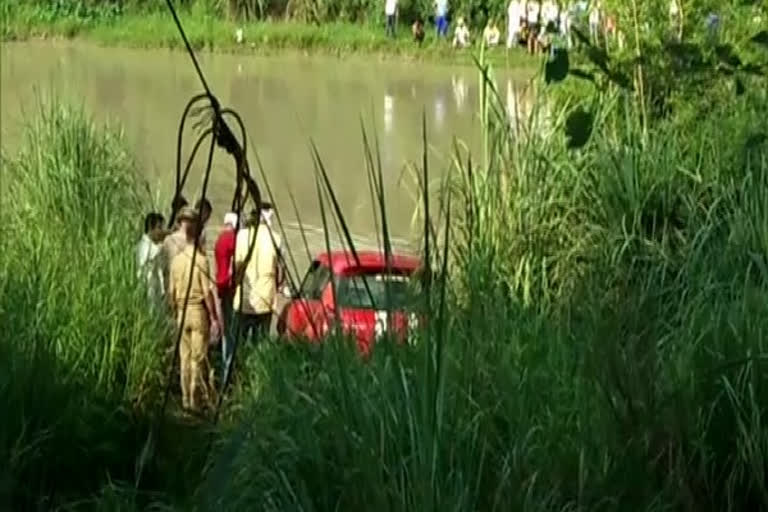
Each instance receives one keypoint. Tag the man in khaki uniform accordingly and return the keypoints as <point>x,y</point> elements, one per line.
<point>201,323</point>
<point>257,279</point>
<point>175,243</point>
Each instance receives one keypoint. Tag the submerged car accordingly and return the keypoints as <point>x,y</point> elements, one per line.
<point>369,296</point>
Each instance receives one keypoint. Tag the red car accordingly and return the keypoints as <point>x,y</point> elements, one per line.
<point>361,297</point>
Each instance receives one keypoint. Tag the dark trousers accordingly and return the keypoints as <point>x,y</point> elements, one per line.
<point>254,327</point>
<point>228,338</point>
<point>391,25</point>
<point>242,328</point>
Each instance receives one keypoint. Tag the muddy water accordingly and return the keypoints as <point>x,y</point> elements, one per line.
<point>286,102</point>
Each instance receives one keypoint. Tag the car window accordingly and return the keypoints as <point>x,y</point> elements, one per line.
<point>315,281</point>
<point>352,293</point>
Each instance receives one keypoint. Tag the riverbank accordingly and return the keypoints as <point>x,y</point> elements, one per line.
<point>596,334</point>
<point>157,30</point>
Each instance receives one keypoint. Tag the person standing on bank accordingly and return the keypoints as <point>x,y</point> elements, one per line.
<point>256,275</point>
<point>148,266</point>
<point>175,243</point>
<point>390,9</point>
<point>198,311</point>
<point>224,252</point>
<point>441,17</point>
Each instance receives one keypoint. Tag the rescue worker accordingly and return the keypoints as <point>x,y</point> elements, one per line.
<point>177,241</point>
<point>257,276</point>
<point>201,324</point>
<point>224,252</point>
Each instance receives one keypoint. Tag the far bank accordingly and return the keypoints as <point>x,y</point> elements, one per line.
<point>208,33</point>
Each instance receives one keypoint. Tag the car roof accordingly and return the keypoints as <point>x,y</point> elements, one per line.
<point>343,262</point>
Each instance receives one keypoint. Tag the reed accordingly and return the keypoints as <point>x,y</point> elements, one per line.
<point>82,354</point>
<point>602,348</point>
<point>596,330</point>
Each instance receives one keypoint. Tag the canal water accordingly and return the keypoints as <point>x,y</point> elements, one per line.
<point>287,103</point>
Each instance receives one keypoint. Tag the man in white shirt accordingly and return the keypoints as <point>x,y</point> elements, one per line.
<point>148,264</point>
<point>257,275</point>
<point>390,9</point>
<point>515,15</point>
<point>549,13</point>
<point>594,20</point>
<point>441,17</point>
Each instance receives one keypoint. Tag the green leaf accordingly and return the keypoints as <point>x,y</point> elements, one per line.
<point>580,73</point>
<point>578,127</point>
<point>761,38</point>
<point>739,86</point>
<point>726,55</point>
<point>755,140</point>
<point>556,68</point>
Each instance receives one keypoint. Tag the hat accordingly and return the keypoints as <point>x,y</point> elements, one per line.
<point>230,219</point>
<point>188,213</point>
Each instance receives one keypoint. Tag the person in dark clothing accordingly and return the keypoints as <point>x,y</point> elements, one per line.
<point>418,31</point>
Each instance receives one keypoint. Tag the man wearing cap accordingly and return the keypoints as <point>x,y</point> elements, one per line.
<point>224,252</point>
<point>191,295</point>
<point>257,275</point>
<point>177,241</point>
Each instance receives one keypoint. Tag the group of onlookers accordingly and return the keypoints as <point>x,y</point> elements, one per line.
<point>531,24</point>
<point>210,306</point>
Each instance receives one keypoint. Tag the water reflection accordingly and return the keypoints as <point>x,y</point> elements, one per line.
<point>284,103</point>
<point>389,114</point>
<point>459,91</point>
<point>439,110</point>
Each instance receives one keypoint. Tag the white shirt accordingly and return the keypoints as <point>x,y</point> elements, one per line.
<point>259,284</point>
<point>148,265</point>
<point>533,12</point>
<point>594,15</point>
<point>442,7</point>
<point>549,12</point>
<point>461,36</point>
<point>515,11</point>
<point>389,7</point>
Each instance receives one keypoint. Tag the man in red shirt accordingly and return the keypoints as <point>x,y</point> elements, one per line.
<point>224,252</point>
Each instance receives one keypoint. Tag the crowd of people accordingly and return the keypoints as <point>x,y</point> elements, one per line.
<point>211,305</point>
<point>531,24</point>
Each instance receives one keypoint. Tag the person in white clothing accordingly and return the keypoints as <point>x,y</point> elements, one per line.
<point>390,9</point>
<point>549,13</point>
<point>441,17</point>
<point>461,35</point>
<point>514,14</point>
<point>534,9</point>
<point>491,34</point>
<point>148,267</point>
<point>594,21</point>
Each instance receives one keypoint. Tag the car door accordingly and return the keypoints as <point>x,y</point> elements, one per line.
<point>304,316</point>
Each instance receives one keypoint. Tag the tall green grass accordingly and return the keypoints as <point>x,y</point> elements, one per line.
<point>596,335</point>
<point>82,351</point>
<point>604,345</point>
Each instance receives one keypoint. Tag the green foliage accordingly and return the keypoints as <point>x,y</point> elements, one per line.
<point>596,336</point>
<point>80,362</point>
<point>604,348</point>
